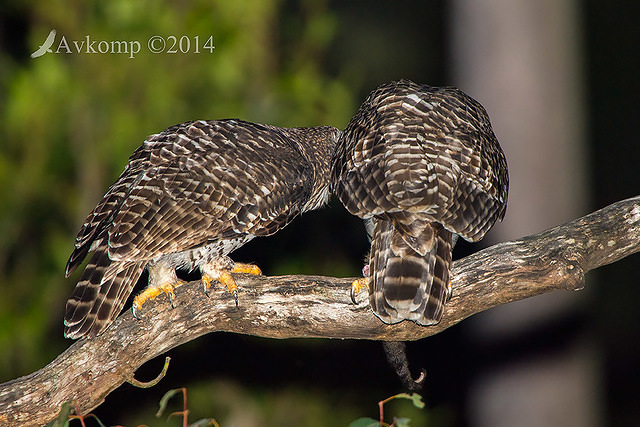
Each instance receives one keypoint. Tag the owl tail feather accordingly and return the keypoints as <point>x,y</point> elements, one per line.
<point>405,284</point>
<point>100,294</point>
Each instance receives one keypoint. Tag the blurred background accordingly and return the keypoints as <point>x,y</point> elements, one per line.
<point>559,79</point>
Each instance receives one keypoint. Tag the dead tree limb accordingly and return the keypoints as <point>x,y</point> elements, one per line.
<point>313,306</point>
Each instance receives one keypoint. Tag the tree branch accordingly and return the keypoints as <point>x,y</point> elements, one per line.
<point>314,306</point>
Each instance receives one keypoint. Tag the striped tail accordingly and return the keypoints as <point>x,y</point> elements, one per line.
<point>100,294</point>
<point>410,273</point>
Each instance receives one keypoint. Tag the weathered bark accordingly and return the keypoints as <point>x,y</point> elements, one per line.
<point>314,306</point>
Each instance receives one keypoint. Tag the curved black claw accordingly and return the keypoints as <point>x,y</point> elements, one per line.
<point>235,297</point>
<point>418,383</point>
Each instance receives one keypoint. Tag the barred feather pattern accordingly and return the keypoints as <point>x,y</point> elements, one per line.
<point>423,164</point>
<point>190,195</point>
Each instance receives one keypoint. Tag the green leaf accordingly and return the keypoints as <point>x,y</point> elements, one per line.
<point>417,400</point>
<point>402,422</point>
<point>165,400</point>
<point>63,416</point>
<point>365,422</point>
<point>402,396</point>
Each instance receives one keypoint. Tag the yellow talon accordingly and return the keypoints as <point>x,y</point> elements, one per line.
<point>246,268</point>
<point>358,285</point>
<point>449,291</point>
<point>206,280</point>
<point>153,292</point>
<point>226,280</point>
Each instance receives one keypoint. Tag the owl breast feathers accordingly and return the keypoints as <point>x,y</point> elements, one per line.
<point>422,164</point>
<point>189,196</point>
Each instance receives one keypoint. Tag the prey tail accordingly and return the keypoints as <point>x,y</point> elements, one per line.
<point>396,352</point>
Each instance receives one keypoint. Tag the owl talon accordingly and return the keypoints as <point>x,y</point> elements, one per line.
<point>357,285</point>
<point>206,282</point>
<point>214,273</point>
<point>152,293</point>
<point>226,280</point>
<point>240,267</point>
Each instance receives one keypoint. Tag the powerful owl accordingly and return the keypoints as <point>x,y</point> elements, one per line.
<point>421,165</point>
<point>189,196</point>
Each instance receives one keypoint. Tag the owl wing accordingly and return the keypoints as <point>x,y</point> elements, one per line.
<point>192,184</point>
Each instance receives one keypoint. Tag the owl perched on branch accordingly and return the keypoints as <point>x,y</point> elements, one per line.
<point>422,165</point>
<point>188,197</point>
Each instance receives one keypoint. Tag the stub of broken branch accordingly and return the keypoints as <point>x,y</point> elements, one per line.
<point>314,306</point>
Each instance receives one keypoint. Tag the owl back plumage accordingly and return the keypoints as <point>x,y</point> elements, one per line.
<point>423,164</point>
